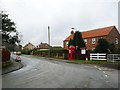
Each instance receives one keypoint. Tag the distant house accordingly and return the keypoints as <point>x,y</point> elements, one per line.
<point>43,46</point>
<point>29,46</point>
<point>91,37</point>
<point>57,48</point>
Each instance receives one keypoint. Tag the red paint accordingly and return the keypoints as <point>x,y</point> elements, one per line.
<point>72,52</point>
<point>5,55</point>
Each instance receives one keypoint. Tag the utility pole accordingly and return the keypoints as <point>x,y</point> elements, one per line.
<point>20,37</point>
<point>49,40</point>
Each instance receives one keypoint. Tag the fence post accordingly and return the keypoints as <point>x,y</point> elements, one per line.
<point>113,58</point>
<point>91,57</point>
<point>97,56</point>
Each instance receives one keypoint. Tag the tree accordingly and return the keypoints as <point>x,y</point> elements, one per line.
<point>78,40</point>
<point>10,36</point>
<point>105,47</point>
<point>102,46</point>
<point>70,42</point>
<point>112,48</point>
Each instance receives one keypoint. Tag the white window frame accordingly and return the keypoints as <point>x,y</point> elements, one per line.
<point>66,43</point>
<point>83,51</point>
<point>93,49</point>
<point>93,40</point>
<point>116,40</point>
<point>85,40</point>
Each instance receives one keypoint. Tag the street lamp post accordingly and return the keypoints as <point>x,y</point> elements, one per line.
<point>20,38</point>
<point>49,40</point>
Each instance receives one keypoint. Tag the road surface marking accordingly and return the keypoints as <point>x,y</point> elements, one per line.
<point>107,81</point>
<point>106,75</point>
<point>103,71</point>
<point>85,85</point>
<point>99,68</point>
<point>95,66</point>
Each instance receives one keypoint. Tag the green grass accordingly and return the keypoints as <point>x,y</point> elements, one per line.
<point>94,62</point>
<point>79,61</point>
<point>6,64</point>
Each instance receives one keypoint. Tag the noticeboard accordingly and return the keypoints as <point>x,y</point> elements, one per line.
<point>83,51</point>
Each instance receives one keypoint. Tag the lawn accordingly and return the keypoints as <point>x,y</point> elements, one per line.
<point>114,65</point>
<point>94,62</point>
<point>6,64</point>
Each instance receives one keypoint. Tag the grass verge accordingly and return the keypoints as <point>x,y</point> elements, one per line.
<point>95,62</point>
<point>6,64</point>
<point>114,65</point>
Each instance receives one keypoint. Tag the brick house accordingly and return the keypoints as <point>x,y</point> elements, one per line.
<point>43,46</point>
<point>91,37</point>
<point>29,46</point>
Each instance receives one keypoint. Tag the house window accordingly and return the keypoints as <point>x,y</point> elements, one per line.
<point>85,40</point>
<point>93,49</point>
<point>67,43</point>
<point>116,40</point>
<point>93,40</point>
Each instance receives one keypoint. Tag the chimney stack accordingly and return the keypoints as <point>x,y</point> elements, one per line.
<point>72,32</point>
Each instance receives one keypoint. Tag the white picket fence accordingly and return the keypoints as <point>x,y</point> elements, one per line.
<point>98,56</point>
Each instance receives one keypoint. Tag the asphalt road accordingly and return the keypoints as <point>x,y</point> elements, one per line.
<point>41,73</point>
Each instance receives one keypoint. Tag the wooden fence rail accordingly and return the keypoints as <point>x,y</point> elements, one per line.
<point>98,56</point>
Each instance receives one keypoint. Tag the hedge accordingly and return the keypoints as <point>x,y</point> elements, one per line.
<point>47,51</point>
<point>44,53</point>
<point>28,52</point>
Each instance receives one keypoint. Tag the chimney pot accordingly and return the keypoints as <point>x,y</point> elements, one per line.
<point>72,32</point>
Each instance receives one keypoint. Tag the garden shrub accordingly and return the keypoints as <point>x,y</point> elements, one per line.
<point>25,51</point>
<point>53,52</point>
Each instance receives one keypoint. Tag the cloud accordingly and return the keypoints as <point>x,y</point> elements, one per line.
<point>32,17</point>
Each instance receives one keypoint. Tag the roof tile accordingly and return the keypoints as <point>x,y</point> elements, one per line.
<point>93,33</point>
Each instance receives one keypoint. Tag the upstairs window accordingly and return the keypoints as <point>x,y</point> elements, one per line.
<point>67,43</point>
<point>85,40</point>
<point>93,40</point>
<point>116,40</point>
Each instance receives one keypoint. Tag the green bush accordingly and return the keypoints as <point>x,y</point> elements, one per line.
<point>52,51</point>
<point>27,52</point>
<point>57,51</point>
<point>6,64</point>
<point>118,51</point>
<point>46,51</point>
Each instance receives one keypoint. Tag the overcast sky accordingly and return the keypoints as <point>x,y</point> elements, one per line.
<point>32,17</point>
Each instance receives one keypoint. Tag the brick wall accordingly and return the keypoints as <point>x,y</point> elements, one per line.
<point>89,44</point>
<point>112,37</point>
<point>64,45</point>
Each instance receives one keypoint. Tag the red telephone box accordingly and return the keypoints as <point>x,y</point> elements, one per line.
<point>72,52</point>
